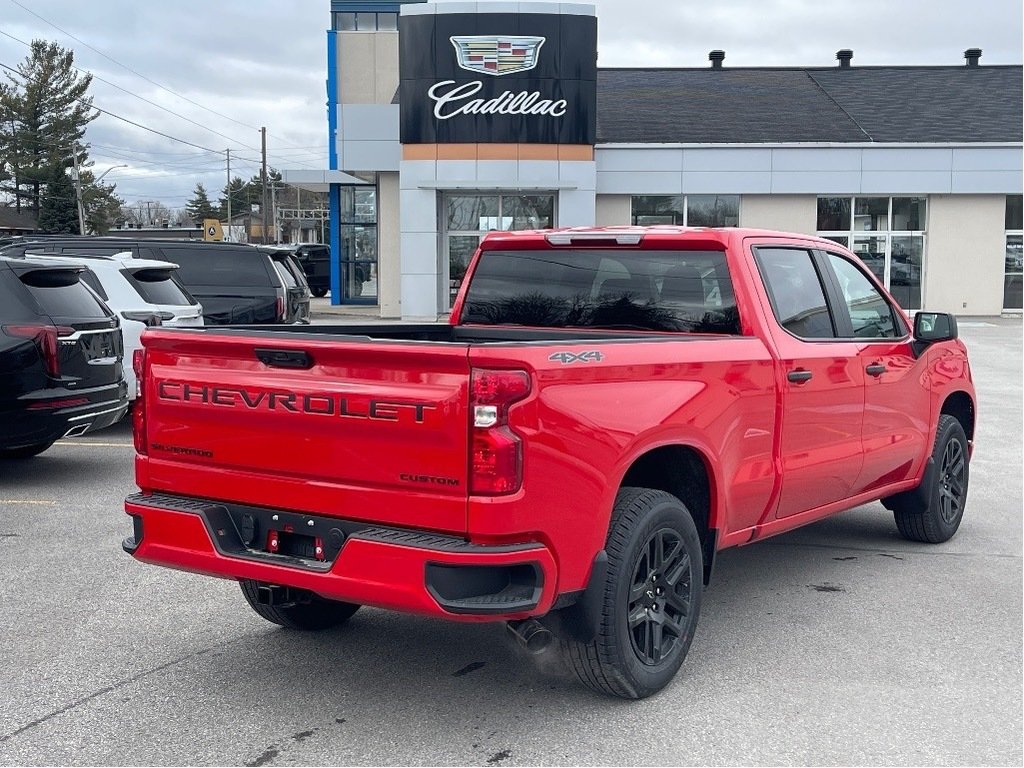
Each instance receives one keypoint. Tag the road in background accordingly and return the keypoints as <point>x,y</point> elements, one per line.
<point>839,643</point>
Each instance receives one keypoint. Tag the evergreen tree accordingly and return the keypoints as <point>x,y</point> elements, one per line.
<point>44,111</point>
<point>58,213</point>
<point>200,207</point>
<point>102,205</point>
<point>240,201</point>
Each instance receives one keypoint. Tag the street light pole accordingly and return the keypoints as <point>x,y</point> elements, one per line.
<point>100,177</point>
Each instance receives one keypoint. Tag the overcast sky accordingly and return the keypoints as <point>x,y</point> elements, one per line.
<point>264,63</point>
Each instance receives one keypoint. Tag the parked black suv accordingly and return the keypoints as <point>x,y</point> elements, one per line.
<point>60,358</point>
<point>235,283</point>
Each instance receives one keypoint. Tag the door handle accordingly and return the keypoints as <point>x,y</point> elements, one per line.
<point>876,369</point>
<point>799,376</point>
<point>284,358</point>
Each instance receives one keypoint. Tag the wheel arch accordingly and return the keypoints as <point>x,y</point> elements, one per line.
<point>685,472</point>
<point>960,405</point>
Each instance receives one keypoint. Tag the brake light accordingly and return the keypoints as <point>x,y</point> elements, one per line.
<point>496,458</point>
<point>280,307</point>
<point>46,340</point>
<point>139,409</point>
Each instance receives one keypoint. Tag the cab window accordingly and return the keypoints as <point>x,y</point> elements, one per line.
<point>796,292</point>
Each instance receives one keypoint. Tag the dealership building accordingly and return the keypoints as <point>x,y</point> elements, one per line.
<point>448,120</point>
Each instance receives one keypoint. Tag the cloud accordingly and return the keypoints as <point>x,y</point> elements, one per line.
<point>264,63</point>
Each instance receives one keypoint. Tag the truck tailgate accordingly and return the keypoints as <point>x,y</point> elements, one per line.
<point>362,430</point>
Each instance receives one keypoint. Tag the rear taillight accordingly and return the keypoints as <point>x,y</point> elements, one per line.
<point>280,307</point>
<point>46,340</point>
<point>496,452</point>
<point>139,408</point>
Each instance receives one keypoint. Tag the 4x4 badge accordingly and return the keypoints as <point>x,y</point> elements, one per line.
<point>567,358</point>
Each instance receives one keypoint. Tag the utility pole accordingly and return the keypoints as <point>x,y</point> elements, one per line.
<point>78,190</point>
<point>227,154</point>
<point>273,210</point>
<point>263,178</point>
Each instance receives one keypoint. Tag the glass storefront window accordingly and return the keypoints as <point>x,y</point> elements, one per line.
<point>474,213</point>
<point>894,249</point>
<point>905,269</point>
<point>833,214</point>
<point>908,214</point>
<point>1013,266</point>
<point>871,250</point>
<point>1013,298</point>
<point>686,210</point>
<point>469,216</point>
<point>1015,212</point>
<point>657,209</point>
<point>871,214</point>
<point>358,230</point>
<point>712,210</point>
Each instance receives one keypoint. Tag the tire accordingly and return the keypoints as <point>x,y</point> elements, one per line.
<point>634,663</point>
<point>939,518</point>
<point>318,292</point>
<point>25,452</point>
<point>316,614</point>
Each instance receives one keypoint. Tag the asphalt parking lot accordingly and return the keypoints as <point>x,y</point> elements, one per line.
<point>836,644</point>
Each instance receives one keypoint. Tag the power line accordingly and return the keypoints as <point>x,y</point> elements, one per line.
<point>88,103</point>
<point>137,96</point>
<point>139,74</point>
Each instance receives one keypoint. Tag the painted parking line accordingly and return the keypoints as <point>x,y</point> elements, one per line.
<point>42,502</point>
<point>94,444</point>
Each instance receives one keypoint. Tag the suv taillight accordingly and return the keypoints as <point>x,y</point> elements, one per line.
<point>46,340</point>
<point>280,308</point>
<point>139,408</point>
<point>496,452</point>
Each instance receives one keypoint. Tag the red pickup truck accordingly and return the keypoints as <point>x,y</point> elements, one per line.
<point>607,410</point>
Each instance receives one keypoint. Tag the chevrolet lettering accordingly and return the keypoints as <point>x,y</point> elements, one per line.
<point>293,402</point>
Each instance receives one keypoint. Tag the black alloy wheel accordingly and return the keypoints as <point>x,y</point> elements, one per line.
<point>952,482</point>
<point>932,514</point>
<point>659,596</point>
<point>650,597</point>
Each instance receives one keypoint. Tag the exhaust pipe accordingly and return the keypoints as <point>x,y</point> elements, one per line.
<point>533,635</point>
<point>77,431</point>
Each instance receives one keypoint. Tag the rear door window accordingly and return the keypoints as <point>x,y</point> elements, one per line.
<point>796,292</point>
<point>59,293</point>
<point>158,286</point>
<point>635,289</point>
<point>227,267</point>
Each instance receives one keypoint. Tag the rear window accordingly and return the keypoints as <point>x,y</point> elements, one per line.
<point>158,286</point>
<point>60,294</point>
<point>642,290</point>
<point>220,267</point>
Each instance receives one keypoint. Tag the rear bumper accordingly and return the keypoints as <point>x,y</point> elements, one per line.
<point>402,570</point>
<point>33,421</point>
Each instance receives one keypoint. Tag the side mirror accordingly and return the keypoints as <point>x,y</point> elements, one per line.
<point>930,327</point>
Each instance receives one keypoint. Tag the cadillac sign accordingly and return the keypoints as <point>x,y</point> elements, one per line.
<point>535,86</point>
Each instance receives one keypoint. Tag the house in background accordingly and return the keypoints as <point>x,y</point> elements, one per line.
<point>14,223</point>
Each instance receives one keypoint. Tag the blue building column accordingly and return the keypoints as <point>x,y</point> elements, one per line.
<point>334,195</point>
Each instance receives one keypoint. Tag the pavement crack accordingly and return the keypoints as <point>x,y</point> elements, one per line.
<point>497,757</point>
<point>106,689</point>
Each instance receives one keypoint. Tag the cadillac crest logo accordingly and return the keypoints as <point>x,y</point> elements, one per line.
<point>495,55</point>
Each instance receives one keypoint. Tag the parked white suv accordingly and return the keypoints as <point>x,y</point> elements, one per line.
<point>141,292</point>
